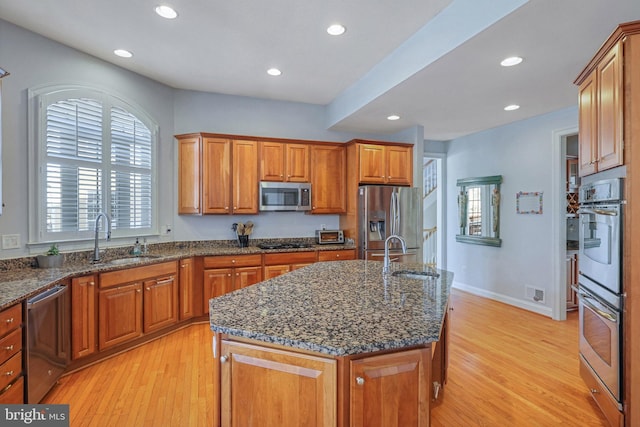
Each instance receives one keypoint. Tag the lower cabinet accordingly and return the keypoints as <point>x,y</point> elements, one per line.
<point>271,387</point>
<point>227,273</point>
<point>83,316</point>
<point>11,375</point>
<point>120,315</point>
<point>135,301</point>
<point>390,390</point>
<point>280,263</point>
<point>186,289</point>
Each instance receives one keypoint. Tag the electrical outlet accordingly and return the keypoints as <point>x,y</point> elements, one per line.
<point>11,241</point>
<point>323,226</point>
<point>167,229</point>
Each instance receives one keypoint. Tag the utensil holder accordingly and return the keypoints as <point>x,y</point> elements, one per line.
<point>243,241</point>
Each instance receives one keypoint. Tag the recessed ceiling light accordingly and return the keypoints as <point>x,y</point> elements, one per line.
<point>336,29</point>
<point>166,11</point>
<point>511,107</point>
<point>274,72</point>
<point>511,61</point>
<point>123,53</point>
<point>393,117</point>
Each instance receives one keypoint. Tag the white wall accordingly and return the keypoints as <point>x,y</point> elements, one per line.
<point>523,153</point>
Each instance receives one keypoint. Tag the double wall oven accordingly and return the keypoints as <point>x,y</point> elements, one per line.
<point>600,287</point>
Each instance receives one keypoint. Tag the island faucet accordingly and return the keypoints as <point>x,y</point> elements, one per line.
<point>96,249</point>
<point>387,262</point>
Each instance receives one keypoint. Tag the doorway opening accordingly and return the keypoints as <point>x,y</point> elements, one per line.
<point>433,211</point>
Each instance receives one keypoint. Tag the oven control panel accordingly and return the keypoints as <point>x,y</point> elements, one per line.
<point>607,190</point>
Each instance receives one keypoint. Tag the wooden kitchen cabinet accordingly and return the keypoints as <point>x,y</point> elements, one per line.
<point>226,273</point>
<point>186,298</point>
<point>276,264</point>
<point>83,316</point>
<point>385,164</point>
<point>601,114</point>
<point>120,315</point>
<point>306,387</point>
<point>284,162</point>
<point>390,389</point>
<point>328,177</point>
<point>160,303</point>
<point>121,310</point>
<point>11,375</point>
<point>217,175</point>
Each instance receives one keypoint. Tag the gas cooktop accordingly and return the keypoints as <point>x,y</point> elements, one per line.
<point>288,245</point>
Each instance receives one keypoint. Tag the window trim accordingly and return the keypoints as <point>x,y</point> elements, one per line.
<point>38,98</point>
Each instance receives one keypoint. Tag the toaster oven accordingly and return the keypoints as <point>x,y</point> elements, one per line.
<point>329,237</point>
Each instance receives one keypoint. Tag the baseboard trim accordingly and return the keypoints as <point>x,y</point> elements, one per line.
<point>525,305</point>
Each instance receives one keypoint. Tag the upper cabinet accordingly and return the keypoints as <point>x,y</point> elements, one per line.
<point>385,164</point>
<point>284,162</point>
<point>601,112</point>
<point>328,176</point>
<point>217,175</point>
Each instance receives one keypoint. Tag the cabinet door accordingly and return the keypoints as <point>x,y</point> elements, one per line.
<point>272,161</point>
<point>399,162</point>
<point>247,276</point>
<point>390,390</point>
<point>216,176</point>
<point>160,303</point>
<point>120,315</point>
<point>610,109</point>
<point>269,387</point>
<point>217,282</point>
<point>587,128</point>
<point>83,316</point>
<point>328,179</point>
<point>245,177</point>
<point>372,164</point>
<point>185,285</point>
<point>189,175</point>
<point>297,163</point>
<point>271,271</point>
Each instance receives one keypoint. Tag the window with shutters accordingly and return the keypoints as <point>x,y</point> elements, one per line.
<point>96,153</point>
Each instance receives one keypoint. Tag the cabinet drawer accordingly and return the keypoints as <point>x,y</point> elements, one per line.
<point>135,274</point>
<point>10,345</point>
<point>10,319</point>
<point>13,393</point>
<point>10,370</point>
<point>290,258</point>
<point>607,404</point>
<point>233,261</point>
<point>337,255</point>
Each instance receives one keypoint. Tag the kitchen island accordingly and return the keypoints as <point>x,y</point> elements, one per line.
<point>332,344</point>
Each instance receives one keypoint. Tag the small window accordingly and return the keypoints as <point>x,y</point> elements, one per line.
<point>96,154</point>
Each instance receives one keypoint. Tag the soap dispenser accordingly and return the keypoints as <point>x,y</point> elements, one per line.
<point>136,248</point>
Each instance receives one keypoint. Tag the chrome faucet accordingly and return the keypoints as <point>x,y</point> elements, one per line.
<point>96,249</point>
<point>387,262</point>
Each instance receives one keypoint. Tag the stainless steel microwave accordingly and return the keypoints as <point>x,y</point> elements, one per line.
<point>285,196</point>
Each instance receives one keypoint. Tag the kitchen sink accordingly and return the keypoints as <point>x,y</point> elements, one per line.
<point>416,274</point>
<point>131,260</point>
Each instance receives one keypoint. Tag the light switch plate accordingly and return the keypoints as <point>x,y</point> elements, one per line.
<point>10,241</point>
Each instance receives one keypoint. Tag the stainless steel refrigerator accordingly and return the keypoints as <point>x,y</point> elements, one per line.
<point>386,210</point>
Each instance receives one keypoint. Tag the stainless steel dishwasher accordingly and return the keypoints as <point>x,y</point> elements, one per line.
<point>48,340</point>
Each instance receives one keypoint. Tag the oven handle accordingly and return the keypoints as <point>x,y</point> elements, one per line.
<point>46,296</point>
<point>586,300</point>
<point>598,212</point>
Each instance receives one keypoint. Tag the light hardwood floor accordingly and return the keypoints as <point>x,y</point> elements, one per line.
<point>507,367</point>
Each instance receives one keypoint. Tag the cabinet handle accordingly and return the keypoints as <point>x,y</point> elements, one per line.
<point>148,288</point>
<point>594,391</point>
<point>223,359</point>
<point>359,380</point>
<point>139,290</point>
<point>8,374</point>
<point>436,389</point>
<point>9,320</point>
<point>233,261</point>
<point>92,283</point>
<point>226,207</point>
<point>9,348</point>
<point>229,275</point>
<point>165,281</point>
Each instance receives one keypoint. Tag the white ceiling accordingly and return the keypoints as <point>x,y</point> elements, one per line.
<point>434,63</point>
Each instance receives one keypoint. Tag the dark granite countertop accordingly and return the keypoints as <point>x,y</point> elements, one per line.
<point>20,280</point>
<point>337,308</point>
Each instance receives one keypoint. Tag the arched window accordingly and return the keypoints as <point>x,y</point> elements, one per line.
<point>95,153</point>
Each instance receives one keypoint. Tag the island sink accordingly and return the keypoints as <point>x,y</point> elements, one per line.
<point>326,342</point>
